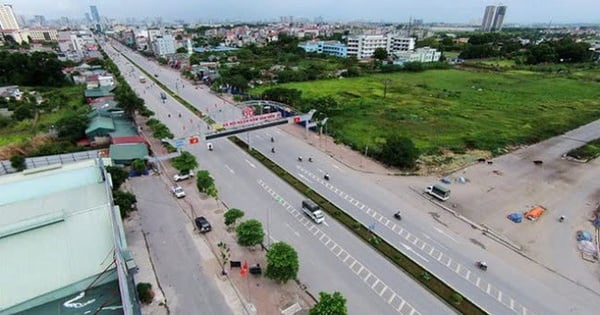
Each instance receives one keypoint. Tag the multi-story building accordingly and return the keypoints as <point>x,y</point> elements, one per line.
<point>95,15</point>
<point>493,17</point>
<point>424,54</point>
<point>163,45</point>
<point>43,34</point>
<point>8,20</point>
<point>333,48</point>
<point>363,46</point>
<point>73,45</point>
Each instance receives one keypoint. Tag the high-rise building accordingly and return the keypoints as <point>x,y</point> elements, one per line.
<point>8,20</point>
<point>39,20</point>
<point>493,18</point>
<point>95,15</point>
<point>88,19</point>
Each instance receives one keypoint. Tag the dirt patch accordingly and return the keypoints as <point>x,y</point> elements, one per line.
<point>448,162</point>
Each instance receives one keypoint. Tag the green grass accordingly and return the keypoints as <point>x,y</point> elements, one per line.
<point>587,152</point>
<point>432,283</point>
<point>456,109</point>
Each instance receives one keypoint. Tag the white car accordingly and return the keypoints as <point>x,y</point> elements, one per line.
<point>183,175</point>
<point>178,191</point>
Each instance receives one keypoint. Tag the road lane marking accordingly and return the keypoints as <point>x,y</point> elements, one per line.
<point>250,163</point>
<point>396,302</point>
<point>291,228</point>
<point>336,166</point>
<point>408,236</point>
<point>229,168</point>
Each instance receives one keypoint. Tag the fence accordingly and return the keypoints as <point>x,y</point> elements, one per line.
<point>6,168</point>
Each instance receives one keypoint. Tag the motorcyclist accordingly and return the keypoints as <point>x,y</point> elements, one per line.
<point>272,139</point>
<point>300,158</point>
<point>273,150</point>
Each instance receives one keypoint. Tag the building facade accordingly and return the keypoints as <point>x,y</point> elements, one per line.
<point>8,20</point>
<point>333,48</point>
<point>363,46</point>
<point>163,45</point>
<point>423,54</point>
<point>493,18</point>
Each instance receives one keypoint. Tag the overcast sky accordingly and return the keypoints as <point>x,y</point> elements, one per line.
<point>462,11</point>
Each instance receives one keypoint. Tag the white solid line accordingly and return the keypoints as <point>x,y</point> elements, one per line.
<point>391,298</point>
<point>229,168</point>
<point>362,207</point>
<point>250,163</point>
<point>468,274</point>
<point>375,284</point>
<point>477,282</point>
<point>499,296</point>
<point>336,166</point>
<point>512,304</point>
<point>401,305</point>
<point>489,287</point>
<point>383,290</point>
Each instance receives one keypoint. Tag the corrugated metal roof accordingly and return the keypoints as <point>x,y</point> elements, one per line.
<point>127,152</point>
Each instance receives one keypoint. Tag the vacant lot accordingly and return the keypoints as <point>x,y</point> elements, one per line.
<point>457,109</point>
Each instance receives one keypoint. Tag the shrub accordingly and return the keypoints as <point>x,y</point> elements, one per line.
<point>145,292</point>
<point>18,162</point>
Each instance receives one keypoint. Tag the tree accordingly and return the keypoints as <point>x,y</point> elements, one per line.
<point>399,151</point>
<point>206,183</point>
<point>181,50</point>
<point>23,111</point>
<point>330,304</point>
<point>232,215</point>
<point>282,262</point>
<point>250,233</point>
<point>118,176</point>
<point>139,166</point>
<point>184,162</point>
<point>72,126</point>
<point>125,200</point>
<point>380,54</point>
<point>18,162</point>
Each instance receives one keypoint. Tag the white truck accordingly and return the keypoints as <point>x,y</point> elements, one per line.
<point>312,210</point>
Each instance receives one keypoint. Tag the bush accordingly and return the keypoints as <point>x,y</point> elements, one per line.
<point>18,162</point>
<point>456,298</point>
<point>145,292</point>
<point>126,202</point>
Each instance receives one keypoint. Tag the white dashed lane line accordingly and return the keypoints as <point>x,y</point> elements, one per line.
<point>361,271</point>
<point>426,248</point>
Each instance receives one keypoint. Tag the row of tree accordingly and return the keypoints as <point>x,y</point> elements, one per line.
<point>35,69</point>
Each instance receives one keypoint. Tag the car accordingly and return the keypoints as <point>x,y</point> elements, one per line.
<point>202,224</point>
<point>178,191</point>
<point>183,175</point>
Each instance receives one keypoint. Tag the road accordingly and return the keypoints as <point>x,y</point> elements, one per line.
<point>502,289</point>
<point>331,259</point>
<point>177,261</point>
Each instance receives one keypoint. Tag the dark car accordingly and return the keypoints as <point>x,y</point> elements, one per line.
<point>202,224</point>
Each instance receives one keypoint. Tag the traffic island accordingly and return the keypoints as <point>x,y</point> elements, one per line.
<point>421,275</point>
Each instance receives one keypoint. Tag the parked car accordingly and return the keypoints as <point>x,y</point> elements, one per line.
<point>202,224</point>
<point>178,191</point>
<point>183,175</point>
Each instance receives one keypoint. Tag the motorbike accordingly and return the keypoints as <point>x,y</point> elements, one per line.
<point>326,176</point>
<point>272,150</point>
<point>561,219</point>
<point>482,265</point>
<point>272,139</point>
<point>310,159</point>
<point>397,215</point>
<point>299,159</point>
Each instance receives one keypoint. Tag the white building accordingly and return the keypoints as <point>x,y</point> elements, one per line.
<point>163,45</point>
<point>424,54</point>
<point>363,46</point>
<point>42,34</point>
<point>8,20</point>
<point>72,43</point>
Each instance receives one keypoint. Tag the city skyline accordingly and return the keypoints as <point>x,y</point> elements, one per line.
<point>461,11</point>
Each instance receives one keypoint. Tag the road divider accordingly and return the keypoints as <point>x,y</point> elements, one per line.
<point>432,283</point>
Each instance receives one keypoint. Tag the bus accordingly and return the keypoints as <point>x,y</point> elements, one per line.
<point>440,192</point>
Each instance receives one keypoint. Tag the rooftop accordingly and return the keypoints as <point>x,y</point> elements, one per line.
<point>56,234</point>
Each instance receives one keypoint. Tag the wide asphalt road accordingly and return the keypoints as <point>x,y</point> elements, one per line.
<point>330,256</point>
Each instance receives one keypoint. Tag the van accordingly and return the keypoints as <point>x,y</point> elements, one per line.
<point>312,210</point>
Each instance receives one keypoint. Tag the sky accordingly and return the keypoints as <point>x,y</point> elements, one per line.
<point>452,11</point>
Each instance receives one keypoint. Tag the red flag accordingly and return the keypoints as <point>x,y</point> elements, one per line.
<point>244,270</point>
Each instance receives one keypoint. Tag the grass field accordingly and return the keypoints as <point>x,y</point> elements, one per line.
<point>456,109</point>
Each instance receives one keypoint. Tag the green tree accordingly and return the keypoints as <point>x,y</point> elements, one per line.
<point>181,50</point>
<point>185,162</point>
<point>139,166</point>
<point>380,54</point>
<point>125,200</point>
<point>330,304</point>
<point>232,215</point>
<point>282,262</point>
<point>206,183</point>
<point>250,233</point>
<point>23,111</point>
<point>18,162</point>
<point>399,151</point>
<point>72,126</point>
<point>118,176</point>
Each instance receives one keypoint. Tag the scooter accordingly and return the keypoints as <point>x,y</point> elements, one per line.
<point>482,265</point>
<point>398,216</point>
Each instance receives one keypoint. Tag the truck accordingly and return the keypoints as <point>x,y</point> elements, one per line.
<point>313,211</point>
<point>440,192</point>
<point>142,79</point>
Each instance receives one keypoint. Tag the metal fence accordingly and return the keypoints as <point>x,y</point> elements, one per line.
<point>6,168</point>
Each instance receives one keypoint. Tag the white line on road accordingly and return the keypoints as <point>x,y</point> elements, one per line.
<point>336,166</point>
<point>229,169</point>
<point>305,178</point>
<point>444,233</point>
<point>250,163</point>
<point>411,250</point>
<point>295,232</point>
